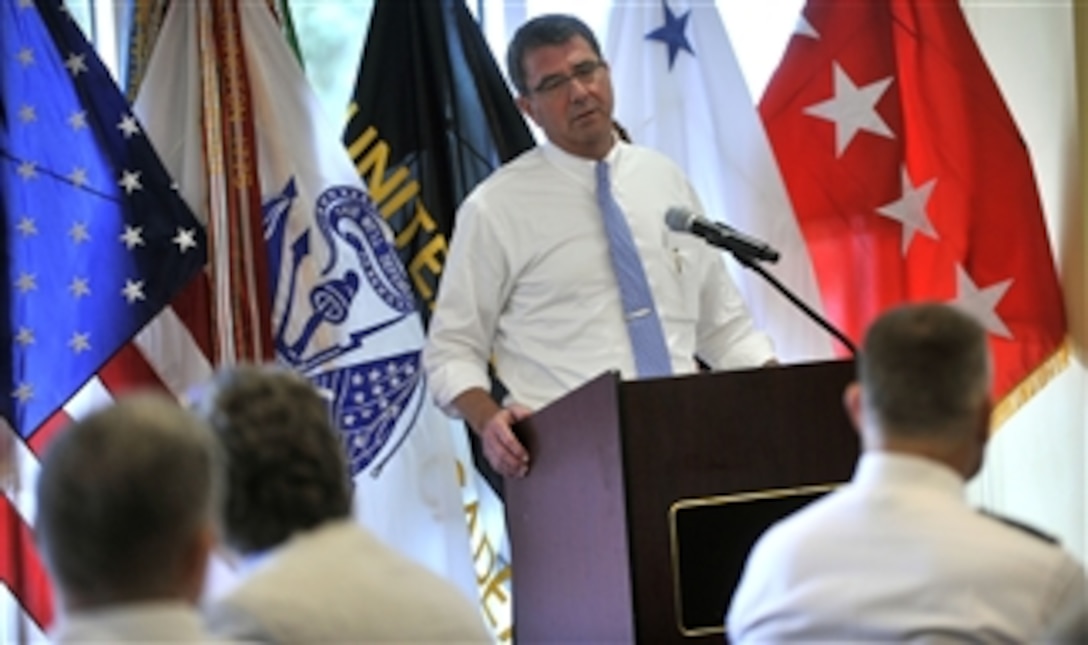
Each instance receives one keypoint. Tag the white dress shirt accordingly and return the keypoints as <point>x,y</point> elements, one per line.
<point>529,281</point>
<point>898,555</point>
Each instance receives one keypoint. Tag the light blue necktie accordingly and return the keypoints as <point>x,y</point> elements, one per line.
<point>643,325</point>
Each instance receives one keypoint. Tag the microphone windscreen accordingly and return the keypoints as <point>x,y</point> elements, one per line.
<point>679,219</point>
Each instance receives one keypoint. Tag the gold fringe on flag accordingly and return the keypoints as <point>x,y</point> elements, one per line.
<point>1030,386</point>
<point>147,17</point>
<point>239,264</point>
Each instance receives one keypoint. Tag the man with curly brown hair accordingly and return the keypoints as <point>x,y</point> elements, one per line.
<point>311,573</point>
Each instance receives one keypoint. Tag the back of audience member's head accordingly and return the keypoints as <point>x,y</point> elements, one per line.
<point>285,465</point>
<point>126,504</point>
<point>924,373</point>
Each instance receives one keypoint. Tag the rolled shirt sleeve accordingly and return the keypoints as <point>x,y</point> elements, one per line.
<point>470,298</point>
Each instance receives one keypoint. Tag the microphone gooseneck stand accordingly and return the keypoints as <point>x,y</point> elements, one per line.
<point>753,264</point>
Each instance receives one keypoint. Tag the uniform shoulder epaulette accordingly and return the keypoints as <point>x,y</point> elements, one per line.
<point>1026,528</point>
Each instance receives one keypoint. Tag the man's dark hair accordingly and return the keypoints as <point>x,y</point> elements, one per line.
<point>924,369</point>
<point>286,470</point>
<point>122,497</point>
<point>543,31</point>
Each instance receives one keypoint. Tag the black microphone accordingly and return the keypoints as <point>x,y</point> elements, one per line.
<point>720,235</point>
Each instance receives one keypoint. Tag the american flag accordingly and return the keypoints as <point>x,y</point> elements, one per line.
<point>98,243</point>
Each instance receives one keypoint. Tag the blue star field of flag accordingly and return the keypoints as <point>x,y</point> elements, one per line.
<point>97,240</point>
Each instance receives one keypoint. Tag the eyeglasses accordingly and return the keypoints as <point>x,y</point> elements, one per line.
<point>585,72</point>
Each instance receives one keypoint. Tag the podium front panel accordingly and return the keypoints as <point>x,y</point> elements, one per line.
<point>717,434</point>
<point>567,523</point>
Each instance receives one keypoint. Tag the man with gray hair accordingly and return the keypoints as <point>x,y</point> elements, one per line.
<point>126,523</point>
<point>897,554</point>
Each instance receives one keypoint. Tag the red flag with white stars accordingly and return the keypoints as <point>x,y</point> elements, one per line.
<point>911,181</point>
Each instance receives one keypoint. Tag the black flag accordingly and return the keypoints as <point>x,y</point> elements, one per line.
<point>431,117</point>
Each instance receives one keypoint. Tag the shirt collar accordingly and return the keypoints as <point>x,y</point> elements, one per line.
<point>579,168</point>
<point>162,617</point>
<point>879,467</point>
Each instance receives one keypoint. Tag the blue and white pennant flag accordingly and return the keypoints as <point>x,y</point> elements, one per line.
<point>679,89</point>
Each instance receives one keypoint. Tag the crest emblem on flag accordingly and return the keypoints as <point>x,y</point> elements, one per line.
<point>321,330</point>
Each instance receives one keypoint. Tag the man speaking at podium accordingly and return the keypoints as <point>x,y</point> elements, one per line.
<point>562,267</point>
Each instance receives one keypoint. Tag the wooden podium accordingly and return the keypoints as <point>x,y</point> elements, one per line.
<point>644,497</point>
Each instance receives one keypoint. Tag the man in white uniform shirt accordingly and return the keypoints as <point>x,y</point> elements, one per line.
<point>529,281</point>
<point>897,554</point>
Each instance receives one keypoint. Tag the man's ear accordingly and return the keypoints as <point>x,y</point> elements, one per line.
<point>851,400</point>
<point>526,107</point>
<point>196,561</point>
<point>975,447</point>
<point>985,421</point>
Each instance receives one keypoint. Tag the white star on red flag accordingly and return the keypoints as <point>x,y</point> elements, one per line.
<point>803,28</point>
<point>910,209</point>
<point>982,303</point>
<point>852,108</point>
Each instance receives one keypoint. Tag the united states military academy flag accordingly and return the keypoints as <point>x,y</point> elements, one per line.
<point>97,244</point>
<point>679,89</point>
<point>431,117</point>
<point>299,252</point>
<point>911,181</point>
